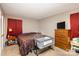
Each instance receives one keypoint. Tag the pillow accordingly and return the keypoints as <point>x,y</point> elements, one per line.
<point>76,40</point>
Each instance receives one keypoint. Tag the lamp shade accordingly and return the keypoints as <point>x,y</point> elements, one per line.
<point>10,30</point>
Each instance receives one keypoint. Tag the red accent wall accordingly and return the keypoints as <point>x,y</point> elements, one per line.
<point>74,22</point>
<point>15,25</point>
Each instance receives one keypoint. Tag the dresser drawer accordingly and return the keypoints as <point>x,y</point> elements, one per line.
<point>61,36</point>
<point>61,32</point>
<point>65,40</point>
<point>62,45</point>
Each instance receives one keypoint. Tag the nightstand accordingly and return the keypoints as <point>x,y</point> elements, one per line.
<point>12,40</point>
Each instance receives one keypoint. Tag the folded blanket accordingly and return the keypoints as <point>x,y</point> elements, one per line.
<point>44,41</point>
<point>44,38</point>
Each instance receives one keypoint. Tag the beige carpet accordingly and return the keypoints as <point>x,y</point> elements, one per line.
<point>14,51</point>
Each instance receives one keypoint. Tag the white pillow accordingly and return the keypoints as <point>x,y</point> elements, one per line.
<point>75,40</point>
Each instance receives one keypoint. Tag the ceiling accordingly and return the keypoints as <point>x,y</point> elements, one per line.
<point>36,10</point>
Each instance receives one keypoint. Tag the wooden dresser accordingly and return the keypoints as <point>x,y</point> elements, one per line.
<point>62,39</point>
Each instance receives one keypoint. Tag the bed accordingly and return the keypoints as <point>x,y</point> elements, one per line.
<point>29,41</point>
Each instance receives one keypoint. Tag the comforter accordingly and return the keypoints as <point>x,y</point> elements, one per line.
<point>27,42</point>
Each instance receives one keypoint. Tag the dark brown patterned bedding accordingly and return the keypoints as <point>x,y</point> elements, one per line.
<point>26,42</point>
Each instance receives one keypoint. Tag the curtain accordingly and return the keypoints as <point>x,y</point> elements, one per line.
<point>14,27</point>
<point>74,23</point>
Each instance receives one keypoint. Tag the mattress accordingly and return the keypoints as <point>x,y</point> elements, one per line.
<point>44,42</point>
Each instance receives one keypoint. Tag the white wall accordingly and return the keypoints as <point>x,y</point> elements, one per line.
<point>30,25</point>
<point>48,26</point>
